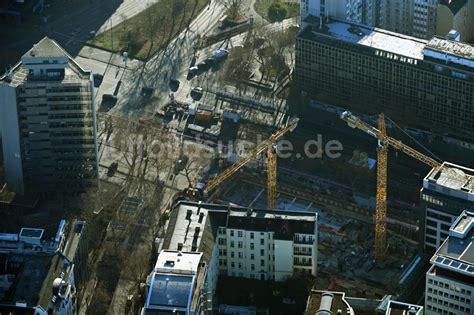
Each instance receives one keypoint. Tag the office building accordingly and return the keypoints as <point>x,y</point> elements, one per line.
<point>48,123</point>
<point>423,84</point>
<point>446,192</point>
<point>413,17</point>
<point>450,279</point>
<point>175,284</point>
<point>419,18</point>
<point>359,11</point>
<point>37,273</point>
<point>456,15</point>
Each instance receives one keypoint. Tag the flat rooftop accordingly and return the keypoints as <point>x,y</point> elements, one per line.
<point>369,36</point>
<point>193,224</point>
<point>29,232</point>
<point>400,308</point>
<point>443,45</point>
<point>453,177</point>
<point>285,224</point>
<point>170,291</point>
<point>457,251</point>
<point>73,240</point>
<point>178,262</point>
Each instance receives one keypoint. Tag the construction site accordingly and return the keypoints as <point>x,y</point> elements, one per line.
<point>252,179</point>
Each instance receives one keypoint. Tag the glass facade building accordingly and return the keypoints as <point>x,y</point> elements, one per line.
<point>419,83</point>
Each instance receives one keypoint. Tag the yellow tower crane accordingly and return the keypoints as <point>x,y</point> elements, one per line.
<point>268,146</point>
<point>381,195</point>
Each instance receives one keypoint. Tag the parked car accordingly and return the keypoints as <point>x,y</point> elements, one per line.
<point>147,91</point>
<point>220,53</point>
<point>112,169</point>
<point>174,85</point>
<point>108,97</point>
<point>98,78</point>
<point>203,65</point>
<point>193,69</point>
<point>180,164</point>
<point>197,90</point>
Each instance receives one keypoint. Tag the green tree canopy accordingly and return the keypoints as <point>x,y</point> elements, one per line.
<point>276,12</point>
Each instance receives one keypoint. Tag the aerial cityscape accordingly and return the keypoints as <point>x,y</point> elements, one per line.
<point>244,157</point>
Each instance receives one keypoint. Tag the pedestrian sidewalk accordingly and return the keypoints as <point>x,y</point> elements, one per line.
<point>108,57</point>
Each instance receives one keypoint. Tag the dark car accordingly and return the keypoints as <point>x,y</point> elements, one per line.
<point>174,85</point>
<point>210,60</point>
<point>147,92</point>
<point>112,169</point>
<point>180,164</point>
<point>108,101</point>
<point>109,98</point>
<point>196,93</point>
<point>355,30</point>
<point>202,65</point>
<point>98,78</point>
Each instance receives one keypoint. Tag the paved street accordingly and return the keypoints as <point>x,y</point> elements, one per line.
<point>172,62</point>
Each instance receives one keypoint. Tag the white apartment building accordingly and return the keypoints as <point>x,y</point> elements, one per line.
<point>241,242</point>
<point>445,194</point>
<point>267,245</point>
<point>450,279</point>
<point>48,123</point>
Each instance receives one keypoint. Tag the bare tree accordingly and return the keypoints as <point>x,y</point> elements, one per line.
<point>233,7</point>
<point>138,267</point>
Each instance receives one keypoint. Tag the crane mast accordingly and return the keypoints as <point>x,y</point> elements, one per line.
<point>269,147</point>
<point>381,197</point>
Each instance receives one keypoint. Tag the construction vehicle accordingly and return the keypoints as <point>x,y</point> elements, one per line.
<point>384,142</point>
<point>269,146</point>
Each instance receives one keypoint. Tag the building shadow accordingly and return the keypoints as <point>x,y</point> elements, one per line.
<point>71,23</point>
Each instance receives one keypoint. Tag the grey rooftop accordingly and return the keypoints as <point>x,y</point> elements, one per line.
<point>46,47</point>
<point>460,49</point>
<point>372,37</point>
<point>457,251</point>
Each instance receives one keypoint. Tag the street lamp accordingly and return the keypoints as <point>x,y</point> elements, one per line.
<point>125,58</point>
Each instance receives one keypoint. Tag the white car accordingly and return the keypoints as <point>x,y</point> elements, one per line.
<point>197,90</point>
<point>193,69</point>
<point>220,53</point>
